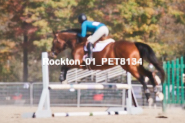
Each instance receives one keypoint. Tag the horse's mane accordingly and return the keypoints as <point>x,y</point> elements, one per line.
<point>73,30</point>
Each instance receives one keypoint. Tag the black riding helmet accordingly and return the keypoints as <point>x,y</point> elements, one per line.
<point>82,18</point>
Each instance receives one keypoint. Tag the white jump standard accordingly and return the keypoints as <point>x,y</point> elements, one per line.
<point>44,110</point>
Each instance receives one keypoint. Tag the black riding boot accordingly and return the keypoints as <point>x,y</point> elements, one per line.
<point>90,50</point>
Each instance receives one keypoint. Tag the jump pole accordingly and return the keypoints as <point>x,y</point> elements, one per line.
<point>44,110</point>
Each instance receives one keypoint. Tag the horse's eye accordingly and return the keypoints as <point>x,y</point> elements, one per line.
<point>58,41</point>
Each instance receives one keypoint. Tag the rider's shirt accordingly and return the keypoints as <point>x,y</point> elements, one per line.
<point>90,26</point>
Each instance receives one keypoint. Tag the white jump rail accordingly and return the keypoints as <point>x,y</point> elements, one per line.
<point>74,75</point>
<point>109,73</point>
<point>44,110</point>
<point>89,86</point>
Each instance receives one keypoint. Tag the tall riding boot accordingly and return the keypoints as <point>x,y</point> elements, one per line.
<point>90,50</point>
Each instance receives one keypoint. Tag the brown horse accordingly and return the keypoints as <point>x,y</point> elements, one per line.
<point>119,49</point>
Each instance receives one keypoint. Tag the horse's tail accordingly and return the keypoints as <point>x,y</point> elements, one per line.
<point>148,54</point>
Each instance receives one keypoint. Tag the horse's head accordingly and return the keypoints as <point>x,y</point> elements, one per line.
<point>61,41</point>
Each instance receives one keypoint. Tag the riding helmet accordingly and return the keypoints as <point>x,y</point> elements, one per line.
<point>82,18</point>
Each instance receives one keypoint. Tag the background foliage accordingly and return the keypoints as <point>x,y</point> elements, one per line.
<point>26,29</point>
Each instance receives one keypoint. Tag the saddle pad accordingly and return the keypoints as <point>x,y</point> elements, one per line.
<point>101,45</point>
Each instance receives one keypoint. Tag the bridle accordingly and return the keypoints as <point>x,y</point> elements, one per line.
<point>66,43</point>
<point>53,51</point>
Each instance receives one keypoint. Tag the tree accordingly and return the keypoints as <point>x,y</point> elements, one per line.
<point>26,29</point>
<point>31,20</point>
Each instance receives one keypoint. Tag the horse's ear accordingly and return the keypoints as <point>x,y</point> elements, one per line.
<point>53,32</point>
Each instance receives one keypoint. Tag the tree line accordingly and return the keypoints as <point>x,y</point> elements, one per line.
<point>26,29</point>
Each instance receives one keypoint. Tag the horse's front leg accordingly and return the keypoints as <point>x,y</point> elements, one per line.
<point>64,70</point>
<point>63,74</point>
<point>77,55</point>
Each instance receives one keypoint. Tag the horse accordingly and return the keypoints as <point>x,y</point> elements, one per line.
<point>134,51</point>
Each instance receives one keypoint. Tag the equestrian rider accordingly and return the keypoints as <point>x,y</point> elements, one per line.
<point>96,28</point>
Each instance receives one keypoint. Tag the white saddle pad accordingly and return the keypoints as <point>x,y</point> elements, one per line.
<point>101,45</point>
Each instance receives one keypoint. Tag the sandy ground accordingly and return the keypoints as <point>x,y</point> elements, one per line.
<point>12,114</point>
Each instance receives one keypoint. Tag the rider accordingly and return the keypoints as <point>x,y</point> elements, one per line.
<point>96,28</point>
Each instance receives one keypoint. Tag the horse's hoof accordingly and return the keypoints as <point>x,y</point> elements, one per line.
<point>160,95</point>
<point>150,101</point>
<point>61,78</point>
<point>64,82</point>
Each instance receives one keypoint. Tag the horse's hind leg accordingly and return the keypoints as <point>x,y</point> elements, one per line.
<point>134,71</point>
<point>145,88</point>
<point>151,76</point>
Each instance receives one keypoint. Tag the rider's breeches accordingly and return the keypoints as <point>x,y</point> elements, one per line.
<point>102,31</point>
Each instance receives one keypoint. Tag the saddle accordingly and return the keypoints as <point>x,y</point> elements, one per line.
<point>100,44</point>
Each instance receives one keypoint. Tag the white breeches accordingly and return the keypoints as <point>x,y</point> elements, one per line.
<point>102,31</point>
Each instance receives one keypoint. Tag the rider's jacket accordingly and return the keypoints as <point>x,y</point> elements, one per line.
<point>90,26</point>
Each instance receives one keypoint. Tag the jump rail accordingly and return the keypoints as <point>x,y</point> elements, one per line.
<point>89,86</point>
<point>44,103</point>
